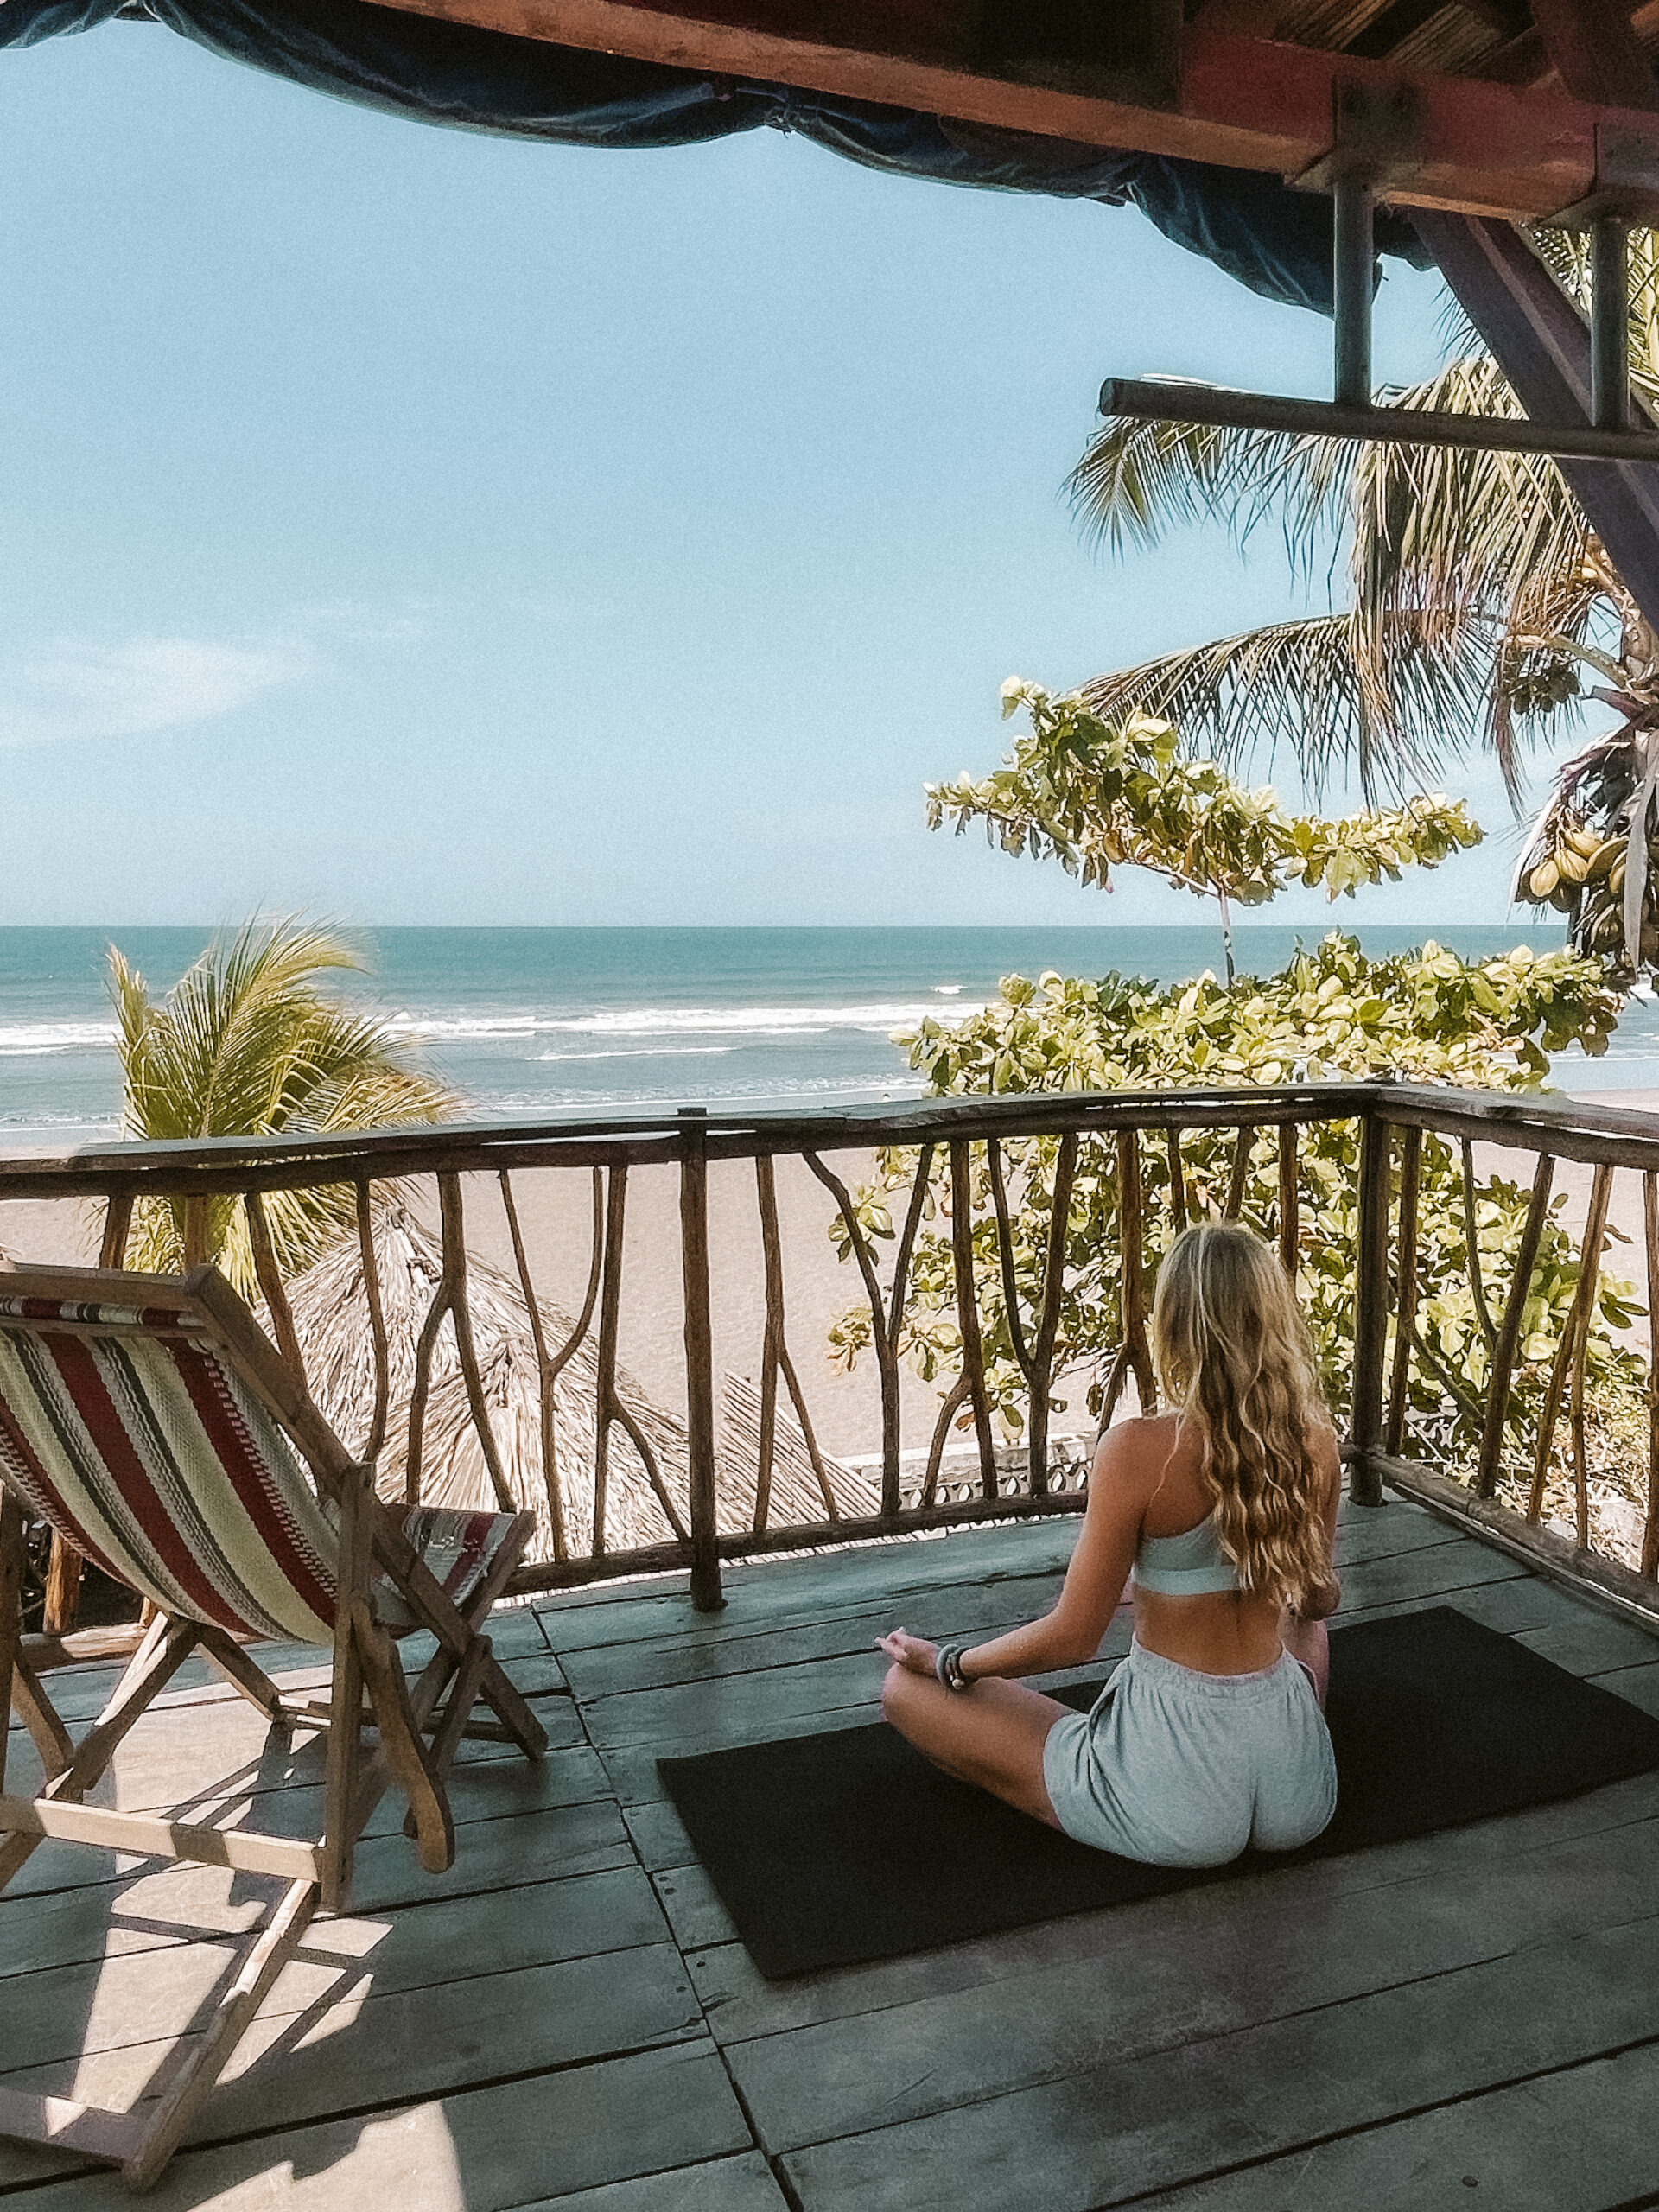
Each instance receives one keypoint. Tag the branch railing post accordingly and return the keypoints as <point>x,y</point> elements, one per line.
<point>1370,1311</point>
<point>706,1593</point>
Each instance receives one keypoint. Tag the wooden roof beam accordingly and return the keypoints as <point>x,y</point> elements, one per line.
<point>1244,102</point>
<point>1594,51</point>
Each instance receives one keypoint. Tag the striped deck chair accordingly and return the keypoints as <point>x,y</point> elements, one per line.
<point>152,1423</point>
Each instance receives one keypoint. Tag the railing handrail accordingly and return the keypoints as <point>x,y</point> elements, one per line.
<point>1574,1128</point>
<point>1571,1129</point>
<point>238,1164</point>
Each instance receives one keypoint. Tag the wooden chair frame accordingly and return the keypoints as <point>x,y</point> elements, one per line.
<point>419,1728</point>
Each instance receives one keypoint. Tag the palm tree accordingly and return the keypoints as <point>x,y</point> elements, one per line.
<point>1478,590</point>
<point>249,1043</point>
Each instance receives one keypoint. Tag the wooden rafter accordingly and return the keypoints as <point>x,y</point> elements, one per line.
<point>1243,101</point>
<point>1594,51</point>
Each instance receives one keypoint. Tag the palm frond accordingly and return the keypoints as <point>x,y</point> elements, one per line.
<point>1301,685</point>
<point>1140,478</point>
<point>248,1043</point>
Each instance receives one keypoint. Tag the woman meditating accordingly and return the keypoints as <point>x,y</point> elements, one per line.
<point>1210,1735</point>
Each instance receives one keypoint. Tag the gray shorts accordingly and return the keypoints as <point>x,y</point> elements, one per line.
<point>1181,1769</point>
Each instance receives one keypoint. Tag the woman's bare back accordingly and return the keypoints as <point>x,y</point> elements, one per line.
<point>1221,1632</point>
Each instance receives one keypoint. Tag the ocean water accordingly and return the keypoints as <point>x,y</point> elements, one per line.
<point>531,1022</point>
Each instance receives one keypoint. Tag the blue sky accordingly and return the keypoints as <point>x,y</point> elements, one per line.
<point>421,527</point>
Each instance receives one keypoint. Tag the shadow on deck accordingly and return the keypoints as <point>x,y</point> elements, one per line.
<point>564,2019</point>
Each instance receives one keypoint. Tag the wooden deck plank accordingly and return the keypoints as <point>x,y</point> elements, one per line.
<point>501,1855</point>
<point>484,2150</point>
<point>953,1608</point>
<point>774,1593</point>
<point>692,1906</point>
<point>132,1996</point>
<point>742,2185</point>
<point>1577,2140</point>
<point>367,2053</point>
<point>226,1750</point>
<point>1594,1643</point>
<point>140,1912</point>
<point>1376,1531</point>
<point>1522,1602</point>
<point>1117,2130</point>
<point>478,1792</point>
<point>1287,1947</point>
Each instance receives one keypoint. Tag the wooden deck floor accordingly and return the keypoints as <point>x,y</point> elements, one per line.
<point>564,2019</point>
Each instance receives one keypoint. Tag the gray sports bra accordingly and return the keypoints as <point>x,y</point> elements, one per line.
<point>1191,1565</point>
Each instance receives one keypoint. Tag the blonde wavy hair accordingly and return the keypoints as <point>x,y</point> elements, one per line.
<point>1234,1358</point>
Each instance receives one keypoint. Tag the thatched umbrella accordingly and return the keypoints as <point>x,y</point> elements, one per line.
<point>332,1319</point>
<point>806,1485</point>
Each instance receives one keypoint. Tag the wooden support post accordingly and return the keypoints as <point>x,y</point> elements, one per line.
<point>1568,1353</point>
<point>1508,1335</point>
<point>1237,1182</point>
<point>118,1222</point>
<point>1290,1221</point>
<point>346,1703</point>
<point>544,1379</point>
<point>195,1231</point>
<point>1651,1226</point>
<point>268,1276</point>
<point>1353,275</point>
<point>973,1349</point>
<point>706,1594</point>
<point>1136,1353</point>
<point>1178,1199</point>
<point>1405,1317</point>
<point>610,1302</point>
<point>376,1435</point>
<point>11,1611</point>
<point>1371,1313</point>
<point>775,1360</point>
<point>1048,1317</point>
<point>884,1333</point>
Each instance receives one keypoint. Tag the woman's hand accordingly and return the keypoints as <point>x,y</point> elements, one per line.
<point>913,1653</point>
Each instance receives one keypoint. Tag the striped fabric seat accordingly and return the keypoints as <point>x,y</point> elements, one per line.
<point>145,1451</point>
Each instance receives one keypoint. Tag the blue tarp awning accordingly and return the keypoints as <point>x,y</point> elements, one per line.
<point>1269,237</point>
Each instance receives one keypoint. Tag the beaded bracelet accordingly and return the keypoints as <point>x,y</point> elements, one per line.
<point>947,1665</point>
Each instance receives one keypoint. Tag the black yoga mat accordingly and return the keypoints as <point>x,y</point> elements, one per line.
<point>830,1849</point>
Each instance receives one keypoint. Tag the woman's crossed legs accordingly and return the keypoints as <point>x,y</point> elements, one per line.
<point>993,1736</point>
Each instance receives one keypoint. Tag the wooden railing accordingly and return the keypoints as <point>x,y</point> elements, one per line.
<point>452,1353</point>
<point>1491,1492</point>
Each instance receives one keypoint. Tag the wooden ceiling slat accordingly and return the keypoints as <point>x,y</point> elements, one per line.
<point>1451,43</point>
<point>1331,22</point>
<point>1385,32</point>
